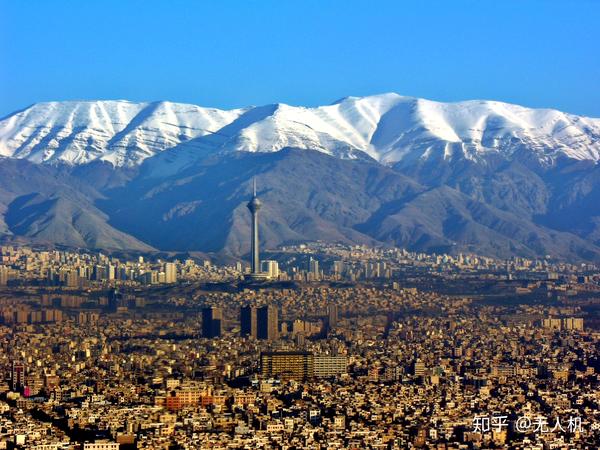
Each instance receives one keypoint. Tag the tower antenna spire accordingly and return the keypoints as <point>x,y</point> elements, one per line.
<point>254,185</point>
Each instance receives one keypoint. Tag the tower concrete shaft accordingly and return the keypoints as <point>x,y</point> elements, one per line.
<point>254,205</point>
<point>255,250</point>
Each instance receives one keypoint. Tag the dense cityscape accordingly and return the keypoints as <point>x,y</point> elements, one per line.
<point>321,346</point>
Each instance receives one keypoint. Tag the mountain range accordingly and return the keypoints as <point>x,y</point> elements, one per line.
<point>475,176</point>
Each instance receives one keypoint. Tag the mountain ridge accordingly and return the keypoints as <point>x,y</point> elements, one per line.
<point>389,128</point>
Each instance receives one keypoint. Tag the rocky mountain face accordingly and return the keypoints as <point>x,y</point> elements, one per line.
<point>478,176</point>
<point>45,204</point>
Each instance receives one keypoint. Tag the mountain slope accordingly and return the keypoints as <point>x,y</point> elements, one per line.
<point>311,196</point>
<point>47,205</point>
<point>307,196</point>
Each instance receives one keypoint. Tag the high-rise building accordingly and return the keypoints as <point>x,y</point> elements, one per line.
<point>338,267</point>
<point>72,278</point>
<point>326,366</point>
<point>313,268</point>
<point>248,321</point>
<point>17,375</point>
<point>170,272</point>
<point>567,323</point>
<point>212,322</point>
<point>301,365</point>
<point>109,272</point>
<point>115,299</point>
<point>332,314</point>
<point>419,368</point>
<point>3,276</point>
<point>267,323</point>
<point>271,268</point>
<point>148,277</point>
<point>292,365</point>
<point>573,323</point>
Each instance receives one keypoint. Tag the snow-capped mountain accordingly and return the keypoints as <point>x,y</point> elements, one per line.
<point>389,128</point>
<point>120,132</point>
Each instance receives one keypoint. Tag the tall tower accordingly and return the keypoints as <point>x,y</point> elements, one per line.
<point>254,205</point>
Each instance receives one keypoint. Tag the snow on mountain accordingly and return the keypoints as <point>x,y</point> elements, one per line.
<point>473,129</point>
<point>121,132</point>
<point>388,127</point>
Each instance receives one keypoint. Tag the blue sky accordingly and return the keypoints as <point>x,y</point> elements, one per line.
<point>539,53</point>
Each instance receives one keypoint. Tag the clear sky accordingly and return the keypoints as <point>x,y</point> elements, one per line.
<point>539,53</point>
